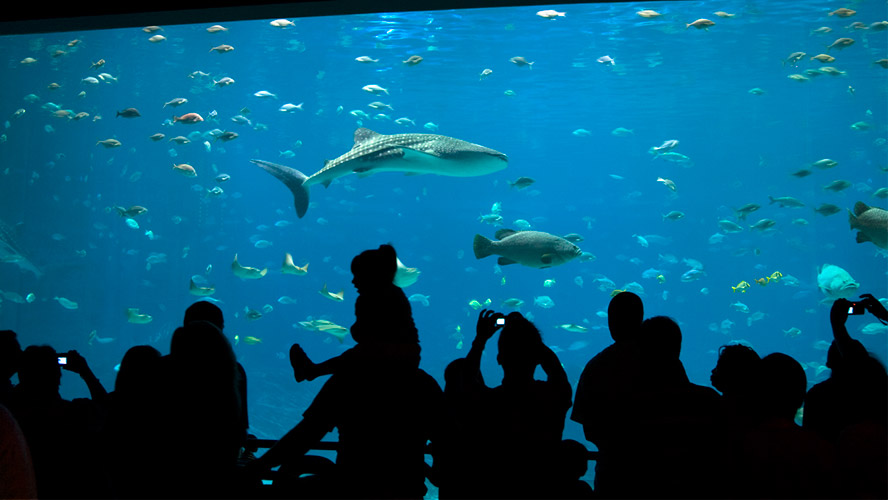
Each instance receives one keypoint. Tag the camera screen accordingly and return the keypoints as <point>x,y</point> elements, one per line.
<point>501,321</point>
<point>63,360</point>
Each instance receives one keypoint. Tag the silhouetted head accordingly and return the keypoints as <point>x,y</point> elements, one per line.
<point>199,341</point>
<point>834,358</point>
<point>205,311</point>
<point>661,337</point>
<point>783,385</point>
<point>519,343</point>
<point>574,459</point>
<point>10,354</point>
<point>39,371</point>
<point>138,369</point>
<point>375,268</point>
<point>382,311</point>
<point>735,369</point>
<point>624,316</point>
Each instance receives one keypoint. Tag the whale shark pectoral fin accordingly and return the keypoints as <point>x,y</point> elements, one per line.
<point>293,179</point>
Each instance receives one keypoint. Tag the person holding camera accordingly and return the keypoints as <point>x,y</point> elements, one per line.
<point>521,421</point>
<point>61,434</point>
<point>850,408</point>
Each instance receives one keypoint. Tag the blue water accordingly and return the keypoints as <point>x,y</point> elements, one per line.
<point>668,82</point>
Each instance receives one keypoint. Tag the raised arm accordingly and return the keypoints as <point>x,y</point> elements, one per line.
<point>555,374</point>
<point>849,348</point>
<point>78,365</point>
<point>484,330</point>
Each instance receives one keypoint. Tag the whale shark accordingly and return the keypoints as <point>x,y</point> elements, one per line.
<point>374,152</point>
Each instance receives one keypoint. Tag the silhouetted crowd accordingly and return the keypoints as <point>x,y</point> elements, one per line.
<point>175,425</point>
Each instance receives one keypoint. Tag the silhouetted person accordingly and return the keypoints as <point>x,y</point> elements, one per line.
<point>203,310</point>
<point>62,435</point>
<point>735,375</point>
<point>849,409</point>
<point>10,357</point>
<point>673,434</point>
<point>521,420</point>
<point>780,459</point>
<point>385,408</point>
<point>573,463</point>
<point>201,416</point>
<point>383,317</point>
<point>16,470</point>
<point>607,385</point>
<point>134,453</point>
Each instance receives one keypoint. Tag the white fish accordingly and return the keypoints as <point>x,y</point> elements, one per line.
<point>651,273</point>
<point>606,60</point>
<point>544,301</point>
<point>581,132</point>
<point>264,94</point>
<point>375,89</point>
<point>66,303</point>
<point>420,298</point>
<point>874,329</point>
<point>290,107</point>
<point>740,306</point>
<point>836,283</point>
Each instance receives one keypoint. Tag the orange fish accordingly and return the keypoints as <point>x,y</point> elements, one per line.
<point>188,118</point>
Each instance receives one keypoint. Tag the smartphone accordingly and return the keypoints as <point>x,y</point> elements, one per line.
<point>63,360</point>
<point>856,308</point>
<point>501,321</point>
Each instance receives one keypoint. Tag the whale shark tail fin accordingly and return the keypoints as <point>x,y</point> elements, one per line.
<point>293,179</point>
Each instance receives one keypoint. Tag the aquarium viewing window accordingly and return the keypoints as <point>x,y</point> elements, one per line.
<point>729,167</point>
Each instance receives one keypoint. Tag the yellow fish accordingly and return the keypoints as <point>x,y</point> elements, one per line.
<point>776,275</point>
<point>616,291</point>
<point>763,281</point>
<point>661,279</point>
<point>246,273</point>
<point>742,286</point>
<point>290,268</point>
<point>338,297</point>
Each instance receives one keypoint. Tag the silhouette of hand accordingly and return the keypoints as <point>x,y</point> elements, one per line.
<point>487,324</point>
<point>839,312</point>
<point>76,363</point>
<point>873,305</point>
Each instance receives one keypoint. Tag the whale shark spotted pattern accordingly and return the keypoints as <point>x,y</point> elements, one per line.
<point>374,152</point>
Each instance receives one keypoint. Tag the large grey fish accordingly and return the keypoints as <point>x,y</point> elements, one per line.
<point>528,248</point>
<point>10,252</point>
<point>871,223</point>
<point>375,152</point>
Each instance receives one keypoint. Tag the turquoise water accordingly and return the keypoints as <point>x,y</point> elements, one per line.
<point>554,120</point>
